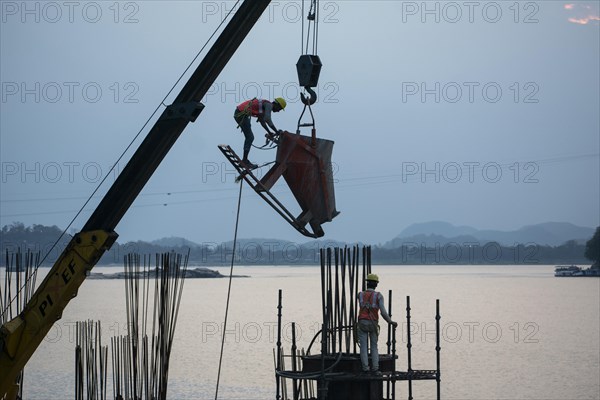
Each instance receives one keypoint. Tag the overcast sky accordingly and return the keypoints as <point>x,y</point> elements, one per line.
<point>475,113</point>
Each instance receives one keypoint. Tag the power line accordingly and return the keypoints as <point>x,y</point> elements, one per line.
<point>341,183</point>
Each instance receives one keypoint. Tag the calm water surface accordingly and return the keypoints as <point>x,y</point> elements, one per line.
<point>508,332</point>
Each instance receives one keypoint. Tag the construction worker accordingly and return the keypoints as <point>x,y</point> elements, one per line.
<point>371,304</point>
<point>261,110</point>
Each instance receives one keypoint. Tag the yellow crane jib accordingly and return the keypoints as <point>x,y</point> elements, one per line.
<point>23,334</point>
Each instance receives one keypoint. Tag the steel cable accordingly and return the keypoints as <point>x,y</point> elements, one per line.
<point>237,220</point>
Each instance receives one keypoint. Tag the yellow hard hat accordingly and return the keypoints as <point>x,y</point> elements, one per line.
<point>281,102</point>
<point>373,277</point>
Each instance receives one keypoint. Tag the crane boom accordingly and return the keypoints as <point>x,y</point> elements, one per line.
<point>20,337</point>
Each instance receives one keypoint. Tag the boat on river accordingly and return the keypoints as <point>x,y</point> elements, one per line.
<point>573,270</point>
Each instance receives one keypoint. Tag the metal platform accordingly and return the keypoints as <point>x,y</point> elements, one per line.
<point>335,371</point>
<point>348,367</point>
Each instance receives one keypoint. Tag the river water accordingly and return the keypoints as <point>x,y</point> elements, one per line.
<point>508,332</point>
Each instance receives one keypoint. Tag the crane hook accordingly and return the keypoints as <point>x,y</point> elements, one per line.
<point>308,101</point>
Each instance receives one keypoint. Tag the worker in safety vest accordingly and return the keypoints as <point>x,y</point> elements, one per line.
<point>371,304</point>
<point>261,110</point>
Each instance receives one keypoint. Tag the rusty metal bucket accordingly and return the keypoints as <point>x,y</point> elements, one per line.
<point>305,163</point>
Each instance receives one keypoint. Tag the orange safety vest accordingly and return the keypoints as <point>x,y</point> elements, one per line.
<point>252,107</point>
<point>369,305</point>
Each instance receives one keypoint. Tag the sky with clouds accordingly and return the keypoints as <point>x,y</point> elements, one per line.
<point>475,113</point>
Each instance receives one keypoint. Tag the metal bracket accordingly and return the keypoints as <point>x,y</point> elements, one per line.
<point>190,111</point>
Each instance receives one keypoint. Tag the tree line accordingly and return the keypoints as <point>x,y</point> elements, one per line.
<point>262,252</point>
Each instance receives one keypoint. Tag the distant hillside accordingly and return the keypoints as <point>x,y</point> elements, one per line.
<point>546,234</point>
<point>436,228</point>
<point>175,241</point>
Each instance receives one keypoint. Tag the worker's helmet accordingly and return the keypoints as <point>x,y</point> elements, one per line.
<point>372,277</point>
<point>281,102</point>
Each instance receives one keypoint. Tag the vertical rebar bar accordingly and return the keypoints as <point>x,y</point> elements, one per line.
<point>393,351</point>
<point>336,304</point>
<point>78,366</point>
<point>322,391</point>
<point>389,326</point>
<point>324,283</point>
<point>329,323</point>
<point>294,360</point>
<point>351,301</point>
<point>354,294</point>
<point>364,270</point>
<point>284,394</point>
<point>277,378</point>
<point>408,348</point>
<point>437,347</point>
<point>389,341</point>
<point>368,257</point>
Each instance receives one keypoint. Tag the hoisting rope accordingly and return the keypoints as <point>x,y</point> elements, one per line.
<point>162,103</point>
<point>311,16</point>
<point>308,84</point>
<point>237,220</point>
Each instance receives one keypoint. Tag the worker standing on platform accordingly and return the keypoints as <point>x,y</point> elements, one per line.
<point>261,110</point>
<point>371,304</point>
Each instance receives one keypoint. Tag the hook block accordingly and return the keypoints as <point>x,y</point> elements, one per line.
<point>309,68</point>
